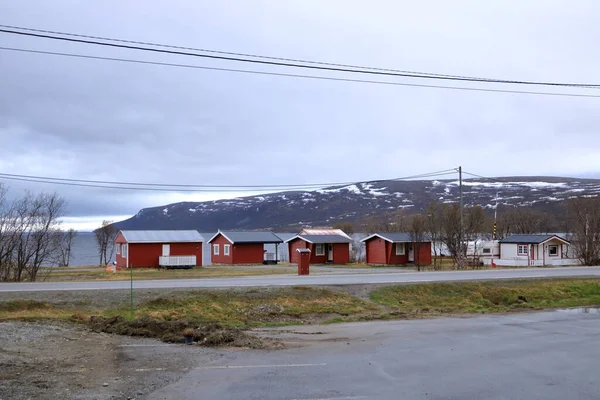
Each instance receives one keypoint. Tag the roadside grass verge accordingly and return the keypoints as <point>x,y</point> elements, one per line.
<point>32,310</point>
<point>487,297</point>
<point>64,275</point>
<point>253,307</point>
<point>219,317</point>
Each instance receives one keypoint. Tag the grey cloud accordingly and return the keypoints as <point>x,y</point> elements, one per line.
<point>111,121</point>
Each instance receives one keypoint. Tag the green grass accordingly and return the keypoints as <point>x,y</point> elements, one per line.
<point>486,297</point>
<point>252,308</point>
<point>100,273</point>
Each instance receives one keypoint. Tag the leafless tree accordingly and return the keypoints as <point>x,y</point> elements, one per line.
<point>452,233</point>
<point>29,229</point>
<point>522,221</point>
<point>65,246</point>
<point>418,227</point>
<point>393,222</point>
<point>585,226</point>
<point>433,229</point>
<point>105,241</point>
<point>346,226</point>
<point>474,221</point>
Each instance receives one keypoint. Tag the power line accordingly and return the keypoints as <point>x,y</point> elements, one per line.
<point>295,65</point>
<point>297,75</point>
<point>228,52</point>
<point>195,188</point>
<point>485,177</point>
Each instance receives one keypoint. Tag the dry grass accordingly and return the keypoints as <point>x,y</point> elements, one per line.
<point>218,315</point>
<point>32,310</point>
<point>254,307</point>
<point>90,274</point>
<point>486,297</point>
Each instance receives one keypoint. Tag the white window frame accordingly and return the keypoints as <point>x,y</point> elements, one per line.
<point>550,253</point>
<point>320,249</point>
<point>118,248</point>
<point>124,250</point>
<point>226,249</point>
<point>486,250</point>
<point>400,249</point>
<point>216,250</point>
<point>522,249</point>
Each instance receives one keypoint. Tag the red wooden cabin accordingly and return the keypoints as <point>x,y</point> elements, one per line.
<point>169,249</point>
<point>242,247</point>
<point>325,245</point>
<point>396,249</point>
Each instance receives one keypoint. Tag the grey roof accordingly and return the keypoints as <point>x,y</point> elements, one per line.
<point>162,236</point>
<point>323,238</point>
<point>249,237</point>
<point>529,239</point>
<point>395,237</point>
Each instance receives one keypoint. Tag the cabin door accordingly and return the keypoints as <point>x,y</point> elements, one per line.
<point>166,250</point>
<point>330,252</point>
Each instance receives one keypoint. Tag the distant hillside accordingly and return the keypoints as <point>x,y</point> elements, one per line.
<point>290,210</point>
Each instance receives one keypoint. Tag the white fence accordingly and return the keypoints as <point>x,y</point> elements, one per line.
<point>177,261</point>
<point>523,262</point>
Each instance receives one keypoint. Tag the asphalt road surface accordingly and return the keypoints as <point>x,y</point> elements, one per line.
<point>553,355</point>
<point>282,280</point>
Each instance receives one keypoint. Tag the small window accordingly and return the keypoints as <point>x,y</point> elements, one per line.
<point>400,249</point>
<point>486,250</point>
<point>118,248</point>
<point>226,249</point>
<point>124,251</point>
<point>320,250</point>
<point>553,251</point>
<point>522,250</point>
<point>216,249</point>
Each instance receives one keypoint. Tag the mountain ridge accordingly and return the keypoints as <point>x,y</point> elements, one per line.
<point>290,210</point>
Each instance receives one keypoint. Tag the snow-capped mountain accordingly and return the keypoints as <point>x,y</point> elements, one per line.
<point>290,210</point>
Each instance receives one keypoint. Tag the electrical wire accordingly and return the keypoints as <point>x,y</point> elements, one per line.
<point>227,52</point>
<point>560,94</point>
<point>197,188</point>
<point>484,177</point>
<point>296,65</point>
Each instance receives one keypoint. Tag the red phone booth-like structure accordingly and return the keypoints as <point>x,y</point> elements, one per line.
<point>303,261</point>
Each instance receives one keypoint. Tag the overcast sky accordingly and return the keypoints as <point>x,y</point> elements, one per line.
<point>90,119</point>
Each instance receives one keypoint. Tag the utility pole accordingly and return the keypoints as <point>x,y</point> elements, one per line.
<point>460,194</point>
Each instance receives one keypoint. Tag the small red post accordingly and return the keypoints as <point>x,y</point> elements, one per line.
<point>303,261</point>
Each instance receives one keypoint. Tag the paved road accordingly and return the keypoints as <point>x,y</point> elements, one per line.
<point>283,280</point>
<point>520,356</point>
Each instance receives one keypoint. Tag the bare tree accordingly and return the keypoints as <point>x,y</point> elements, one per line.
<point>522,221</point>
<point>105,240</point>
<point>585,225</point>
<point>417,235</point>
<point>346,226</point>
<point>65,246</point>
<point>451,233</point>
<point>29,228</point>
<point>474,222</point>
<point>433,229</point>
<point>391,222</point>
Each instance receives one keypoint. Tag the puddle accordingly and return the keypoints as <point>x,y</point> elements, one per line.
<point>581,310</point>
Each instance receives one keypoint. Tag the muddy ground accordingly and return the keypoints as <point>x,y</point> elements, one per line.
<point>66,361</point>
<point>70,360</point>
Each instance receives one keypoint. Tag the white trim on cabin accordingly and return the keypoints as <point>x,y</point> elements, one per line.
<point>220,233</point>
<point>297,237</point>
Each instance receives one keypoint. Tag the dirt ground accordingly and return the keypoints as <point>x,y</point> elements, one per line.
<point>64,361</point>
